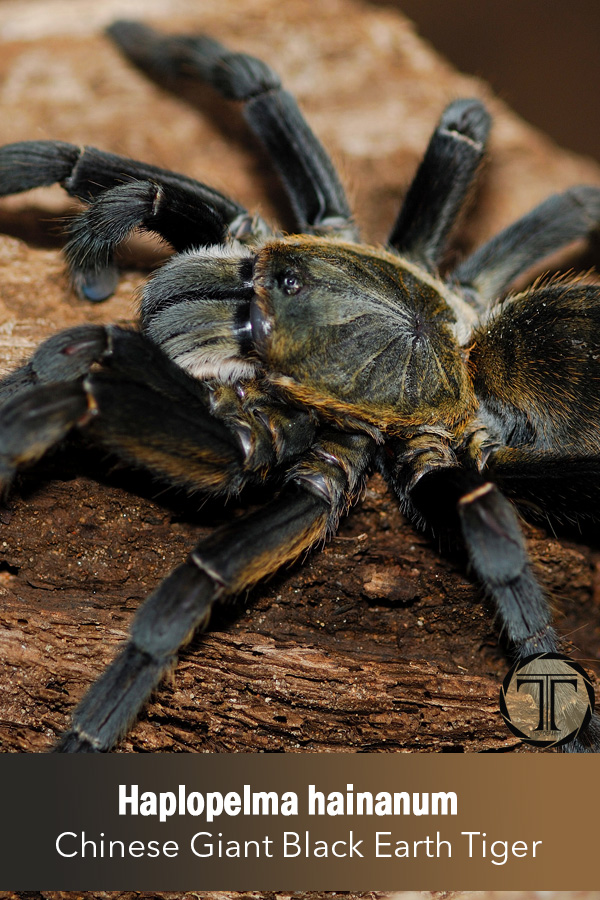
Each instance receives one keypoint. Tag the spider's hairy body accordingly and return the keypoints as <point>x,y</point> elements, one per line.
<point>412,371</point>
<point>304,362</point>
<point>341,295</point>
<point>538,356</point>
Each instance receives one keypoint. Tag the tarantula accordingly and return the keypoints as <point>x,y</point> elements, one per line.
<point>309,360</point>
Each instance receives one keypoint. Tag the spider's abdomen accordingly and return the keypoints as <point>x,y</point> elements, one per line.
<point>536,369</point>
<point>358,334</point>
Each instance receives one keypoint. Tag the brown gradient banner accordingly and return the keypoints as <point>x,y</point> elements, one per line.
<point>522,822</point>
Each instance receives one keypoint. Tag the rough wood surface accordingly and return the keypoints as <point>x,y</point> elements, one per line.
<point>376,642</point>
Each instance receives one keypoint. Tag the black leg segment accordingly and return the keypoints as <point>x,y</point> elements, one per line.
<point>552,487</point>
<point>553,224</point>
<point>315,192</point>
<point>124,194</point>
<point>137,403</point>
<point>496,548</point>
<point>85,173</point>
<point>457,496</point>
<point>220,567</point>
<point>440,187</point>
<point>173,212</point>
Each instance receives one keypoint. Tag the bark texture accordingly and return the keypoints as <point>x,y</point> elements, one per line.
<point>375,642</point>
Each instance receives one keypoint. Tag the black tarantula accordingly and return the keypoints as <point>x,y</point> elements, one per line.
<point>310,360</point>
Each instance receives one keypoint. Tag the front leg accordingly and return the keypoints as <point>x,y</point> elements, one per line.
<point>132,399</point>
<point>123,194</point>
<point>232,559</point>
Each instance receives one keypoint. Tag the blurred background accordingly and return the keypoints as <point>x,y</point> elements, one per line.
<point>540,56</point>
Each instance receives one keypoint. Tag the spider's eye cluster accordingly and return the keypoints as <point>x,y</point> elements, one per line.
<point>269,303</point>
<point>290,282</point>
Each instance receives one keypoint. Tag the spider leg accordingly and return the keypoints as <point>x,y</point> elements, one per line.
<point>444,177</point>
<point>556,222</point>
<point>314,190</point>
<point>557,487</point>
<point>174,212</point>
<point>560,487</point>
<point>124,194</point>
<point>135,401</point>
<point>233,558</point>
<point>498,554</point>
